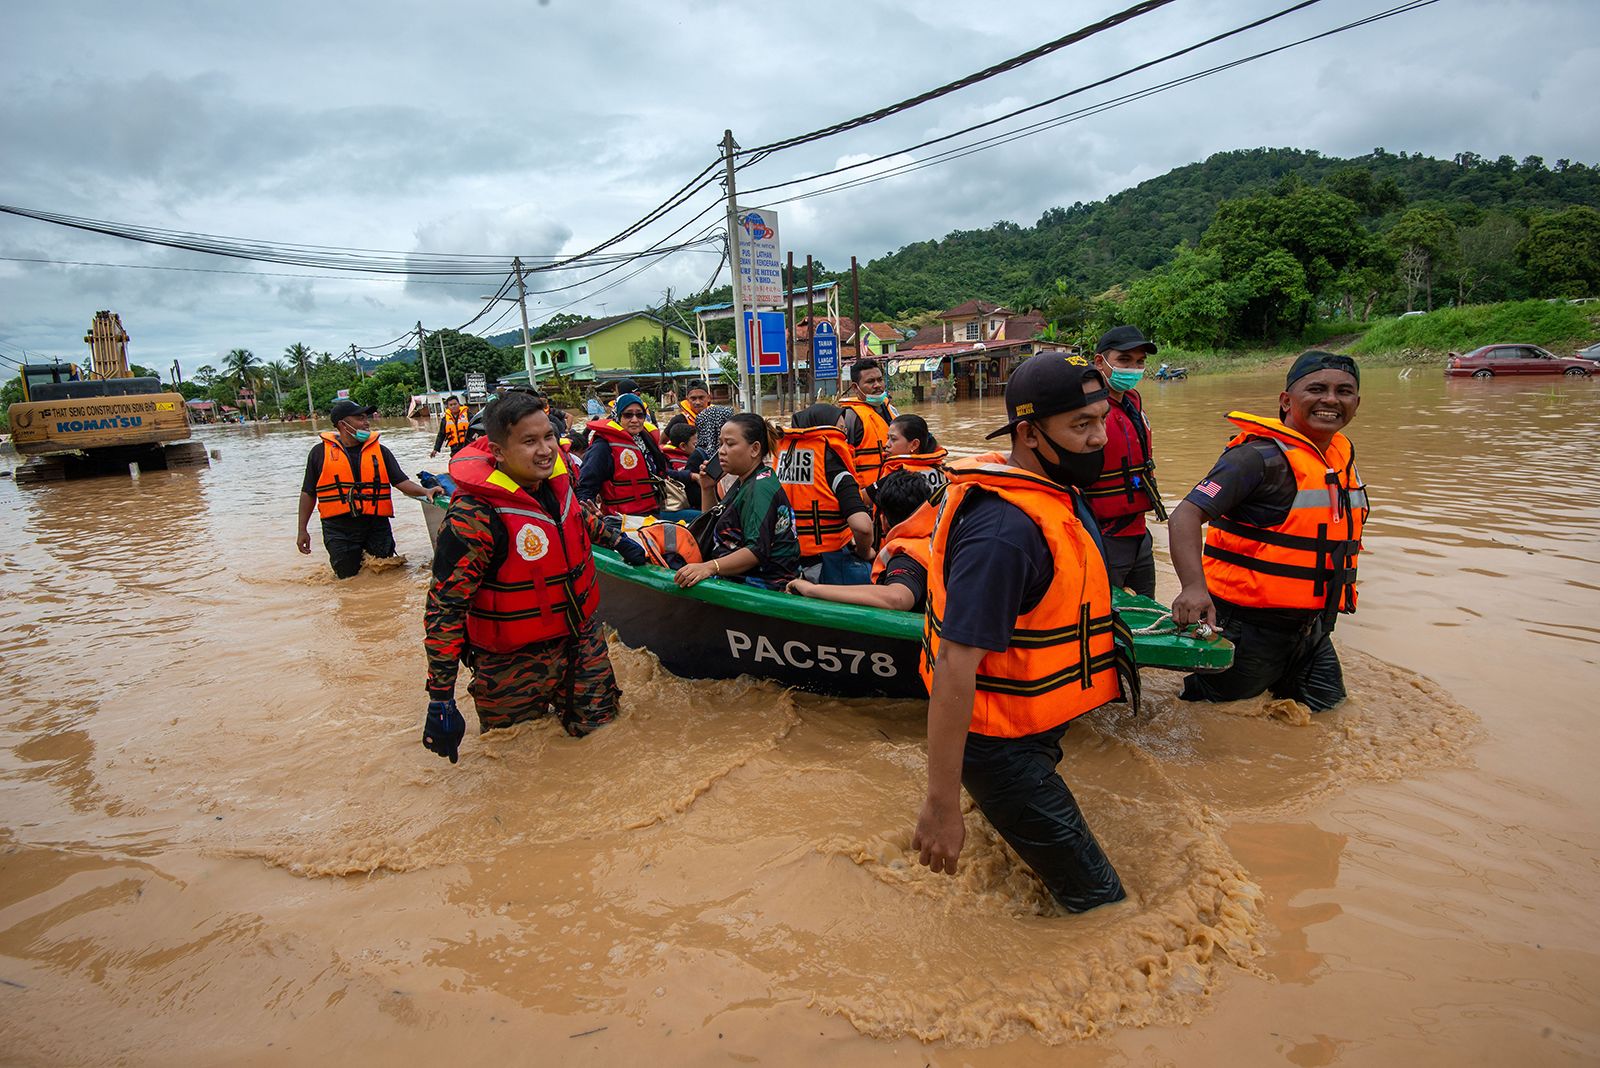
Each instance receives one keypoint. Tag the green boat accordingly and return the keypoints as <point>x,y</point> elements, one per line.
<point>720,630</point>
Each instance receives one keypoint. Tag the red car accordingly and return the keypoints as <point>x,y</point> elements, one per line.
<point>1493,360</point>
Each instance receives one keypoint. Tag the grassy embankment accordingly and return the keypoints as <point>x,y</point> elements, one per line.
<point>1418,339</point>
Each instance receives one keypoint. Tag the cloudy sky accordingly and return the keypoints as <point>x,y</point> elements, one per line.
<point>494,129</point>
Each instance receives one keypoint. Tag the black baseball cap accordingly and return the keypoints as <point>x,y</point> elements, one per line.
<point>1315,360</point>
<point>344,409</point>
<point>1048,383</point>
<point>1125,339</point>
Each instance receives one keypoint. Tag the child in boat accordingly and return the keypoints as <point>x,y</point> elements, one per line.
<point>754,538</point>
<point>900,574</point>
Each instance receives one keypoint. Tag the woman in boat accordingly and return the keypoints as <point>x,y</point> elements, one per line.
<point>900,574</point>
<point>753,539</point>
<point>624,467</point>
<point>911,446</point>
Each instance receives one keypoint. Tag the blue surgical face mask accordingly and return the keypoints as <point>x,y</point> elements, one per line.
<point>876,398</point>
<point>361,435</point>
<point>1123,380</point>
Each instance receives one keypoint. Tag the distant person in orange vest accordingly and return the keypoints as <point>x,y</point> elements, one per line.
<point>866,418</point>
<point>347,480</point>
<point>455,428</point>
<point>1019,637</point>
<point>1126,489</point>
<point>1286,506</point>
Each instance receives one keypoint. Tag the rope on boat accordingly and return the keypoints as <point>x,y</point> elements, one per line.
<point>1164,625</point>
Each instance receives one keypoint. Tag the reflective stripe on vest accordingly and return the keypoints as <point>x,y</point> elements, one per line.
<point>340,492</point>
<point>1064,657</point>
<point>802,464</point>
<point>1308,561</point>
<point>868,456</point>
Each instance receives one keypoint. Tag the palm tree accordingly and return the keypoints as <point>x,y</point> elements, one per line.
<point>240,365</point>
<point>277,370</point>
<point>299,355</point>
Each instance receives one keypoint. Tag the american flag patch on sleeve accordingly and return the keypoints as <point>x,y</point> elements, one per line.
<point>1209,488</point>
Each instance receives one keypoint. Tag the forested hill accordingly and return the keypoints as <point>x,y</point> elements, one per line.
<point>1095,246</point>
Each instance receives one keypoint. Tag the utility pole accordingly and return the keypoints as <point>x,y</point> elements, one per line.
<point>422,356</point>
<point>522,302</point>
<point>740,342</point>
<point>811,334</point>
<point>789,379</point>
<point>855,301</point>
<point>305,369</point>
<point>446,361</point>
<point>357,361</point>
<point>661,368</point>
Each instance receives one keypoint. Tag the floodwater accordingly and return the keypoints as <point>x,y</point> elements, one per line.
<point>221,841</point>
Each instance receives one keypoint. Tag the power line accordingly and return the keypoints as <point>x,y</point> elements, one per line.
<point>248,274</point>
<point>1013,63</point>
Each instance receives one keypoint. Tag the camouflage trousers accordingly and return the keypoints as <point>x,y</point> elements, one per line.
<point>570,678</point>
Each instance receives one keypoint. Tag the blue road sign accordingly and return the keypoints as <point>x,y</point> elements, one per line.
<point>766,350</point>
<point>824,351</point>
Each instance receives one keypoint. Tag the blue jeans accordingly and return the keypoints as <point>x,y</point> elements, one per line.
<point>843,567</point>
<point>681,515</point>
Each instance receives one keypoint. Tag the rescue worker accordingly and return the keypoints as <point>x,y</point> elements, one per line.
<point>624,466</point>
<point>454,428</point>
<point>1126,489</point>
<point>347,480</point>
<point>900,572</point>
<point>866,419</point>
<point>514,587</point>
<point>1019,637</point>
<point>1285,505</point>
<point>830,518</point>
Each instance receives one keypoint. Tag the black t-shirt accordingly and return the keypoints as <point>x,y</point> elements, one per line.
<point>391,467</point>
<point>997,567</point>
<point>1250,482</point>
<point>904,570</point>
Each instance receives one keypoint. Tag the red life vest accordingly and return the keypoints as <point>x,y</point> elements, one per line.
<point>1126,488</point>
<point>874,432</point>
<point>1309,560</point>
<point>913,537</point>
<point>801,463</point>
<point>1063,659</point>
<point>544,588</point>
<point>340,492</point>
<point>631,490</point>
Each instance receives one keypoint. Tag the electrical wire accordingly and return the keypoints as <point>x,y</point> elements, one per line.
<point>1076,36</point>
<point>248,274</point>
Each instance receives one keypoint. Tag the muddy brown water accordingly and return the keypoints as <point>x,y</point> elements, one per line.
<point>222,843</point>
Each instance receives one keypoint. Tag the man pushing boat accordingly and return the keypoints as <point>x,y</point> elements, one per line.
<point>514,590</point>
<point>1020,637</point>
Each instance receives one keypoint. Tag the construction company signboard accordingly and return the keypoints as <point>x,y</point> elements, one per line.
<point>760,265</point>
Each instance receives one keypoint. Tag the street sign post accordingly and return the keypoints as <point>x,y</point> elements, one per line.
<point>477,386</point>
<point>824,353</point>
<point>766,349</point>
<point>760,264</point>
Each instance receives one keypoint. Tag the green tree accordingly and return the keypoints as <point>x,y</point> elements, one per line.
<point>1488,267</point>
<point>468,352</point>
<point>389,387</point>
<point>205,376</point>
<point>647,357</point>
<point>1562,253</point>
<point>1424,243</point>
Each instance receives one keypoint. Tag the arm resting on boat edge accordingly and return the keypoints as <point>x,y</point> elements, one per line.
<point>1184,540</point>
<point>735,563</point>
<point>940,832</point>
<point>460,564</point>
<point>895,597</point>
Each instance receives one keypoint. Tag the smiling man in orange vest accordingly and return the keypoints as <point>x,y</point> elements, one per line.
<point>1019,637</point>
<point>347,480</point>
<point>1285,506</point>
<point>514,590</point>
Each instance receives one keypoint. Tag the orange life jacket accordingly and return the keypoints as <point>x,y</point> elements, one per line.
<point>669,544</point>
<point>929,465</point>
<point>688,412</point>
<point>1126,488</point>
<point>545,587</point>
<point>340,492</point>
<point>1063,659</point>
<point>801,463</point>
<point>874,432</point>
<point>631,490</point>
<point>912,537</point>
<point>455,428</point>
<point>1309,560</point>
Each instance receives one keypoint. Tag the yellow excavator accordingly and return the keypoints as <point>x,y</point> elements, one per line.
<point>73,422</point>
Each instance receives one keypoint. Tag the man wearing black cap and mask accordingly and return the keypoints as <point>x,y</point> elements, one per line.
<point>1019,636</point>
<point>1285,506</point>
<point>347,480</point>
<point>1126,488</point>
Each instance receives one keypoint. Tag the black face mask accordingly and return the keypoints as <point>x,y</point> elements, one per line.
<point>1078,469</point>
